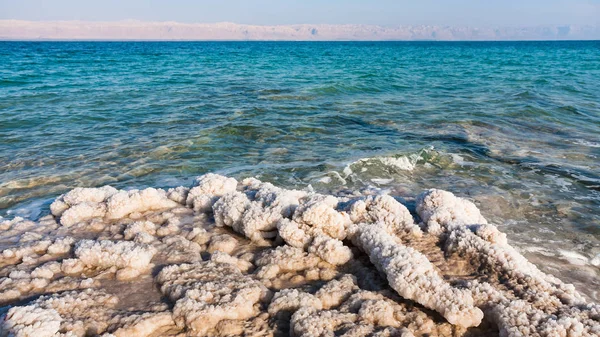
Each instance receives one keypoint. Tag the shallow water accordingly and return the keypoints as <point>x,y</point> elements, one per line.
<point>513,126</point>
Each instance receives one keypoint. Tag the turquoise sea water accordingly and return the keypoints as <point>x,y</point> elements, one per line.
<point>513,126</point>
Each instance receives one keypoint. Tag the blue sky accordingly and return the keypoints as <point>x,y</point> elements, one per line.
<point>267,12</point>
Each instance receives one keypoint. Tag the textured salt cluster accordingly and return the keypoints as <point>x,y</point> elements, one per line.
<point>228,258</point>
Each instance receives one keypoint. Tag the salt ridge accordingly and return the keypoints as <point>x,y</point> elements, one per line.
<point>223,257</point>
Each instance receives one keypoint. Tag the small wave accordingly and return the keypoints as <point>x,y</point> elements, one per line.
<point>388,169</point>
<point>587,143</point>
<point>344,88</point>
<point>400,163</point>
<point>286,98</point>
<point>574,257</point>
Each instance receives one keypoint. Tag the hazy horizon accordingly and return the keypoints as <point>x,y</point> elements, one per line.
<point>306,20</point>
<point>169,30</point>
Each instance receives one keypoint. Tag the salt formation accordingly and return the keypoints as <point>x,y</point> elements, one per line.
<point>207,293</point>
<point>128,258</point>
<point>414,277</point>
<point>225,258</point>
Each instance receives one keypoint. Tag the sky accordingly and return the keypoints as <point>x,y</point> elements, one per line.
<point>285,12</point>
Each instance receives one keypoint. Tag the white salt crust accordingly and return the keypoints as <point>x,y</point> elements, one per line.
<point>225,258</point>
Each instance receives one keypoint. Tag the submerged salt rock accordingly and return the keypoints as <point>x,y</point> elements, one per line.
<point>123,203</point>
<point>412,275</point>
<point>130,258</point>
<point>206,293</point>
<point>207,188</point>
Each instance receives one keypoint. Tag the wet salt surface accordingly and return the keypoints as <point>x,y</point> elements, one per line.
<point>224,258</point>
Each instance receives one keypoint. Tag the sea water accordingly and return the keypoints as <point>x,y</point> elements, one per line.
<point>513,126</point>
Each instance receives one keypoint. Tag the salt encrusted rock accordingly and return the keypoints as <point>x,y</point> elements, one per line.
<point>441,210</point>
<point>16,229</point>
<point>226,296</point>
<point>206,190</point>
<point>319,213</point>
<point>412,275</point>
<point>123,203</point>
<point>221,257</point>
<point>256,212</point>
<point>139,227</point>
<point>81,195</point>
<point>520,318</point>
<point>82,212</point>
<point>178,194</point>
<point>284,259</point>
<point>386,210</point>
<point>331,250</point>
<point>507,264</point>
<point>269,205</point>
<point>271,196</point>
<point>224,243</point>
<point>20,283</point>
<point>206,293</point>
<point>293,233</point>
<point>309,322</point>
<point>229,209</point>
<point>35,249</point>
<point>287,301</point>
<point>335,292</point>
<point>378,312</point>
<point>32,321</point>
<point>129,258</point>
<point>75,313</point>
<point>82,204</point>
<point>142,324</point>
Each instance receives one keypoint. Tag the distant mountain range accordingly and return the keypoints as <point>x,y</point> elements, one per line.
<point>139,30</point>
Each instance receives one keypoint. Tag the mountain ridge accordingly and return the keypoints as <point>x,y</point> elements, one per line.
<point>170,30</point>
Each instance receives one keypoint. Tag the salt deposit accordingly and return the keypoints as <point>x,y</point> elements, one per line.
<point>224,258</point>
